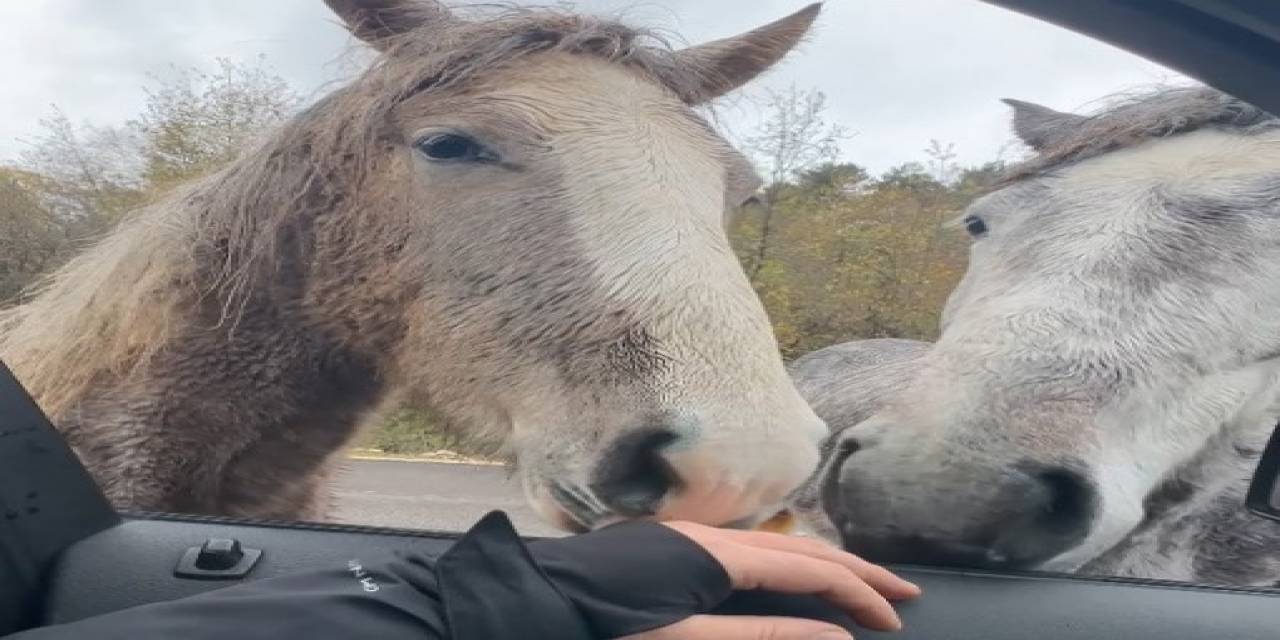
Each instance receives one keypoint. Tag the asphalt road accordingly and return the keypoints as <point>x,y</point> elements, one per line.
<point>426,495</point>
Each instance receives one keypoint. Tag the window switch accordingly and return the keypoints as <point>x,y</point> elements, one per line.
<point>217,559</point>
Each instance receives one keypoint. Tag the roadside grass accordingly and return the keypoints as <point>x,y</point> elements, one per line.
<point>411,433</point>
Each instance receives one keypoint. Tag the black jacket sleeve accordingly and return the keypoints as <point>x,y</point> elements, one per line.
<point>489,586</point>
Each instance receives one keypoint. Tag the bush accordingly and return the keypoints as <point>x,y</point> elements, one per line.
<point>413,432</point>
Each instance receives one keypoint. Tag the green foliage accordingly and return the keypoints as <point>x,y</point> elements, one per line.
<point>89,174</point>
<point>832,177</point>
<point>413,432</point>
<point>793,138</point>
<point>198,121</point>
<point>838,255</point>
<point>30,238</point>
<point>858,263</point>
<point>88,177</point>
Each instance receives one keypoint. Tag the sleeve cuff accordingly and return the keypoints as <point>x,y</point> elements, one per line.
<point>633,577</point>
<point>492,589</point>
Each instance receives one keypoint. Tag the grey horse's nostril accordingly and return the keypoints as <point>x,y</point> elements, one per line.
<point>635,476</point>
<point>1017,517</point>
<point>844,448</point>
<point>1069,503</point>
<point>829,490</point>
<point>1046,512</point>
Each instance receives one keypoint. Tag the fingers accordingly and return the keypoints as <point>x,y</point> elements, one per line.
<point>783,572</point>
<point>778,563</point>
<point>746,628</point>
<point>882,580</point>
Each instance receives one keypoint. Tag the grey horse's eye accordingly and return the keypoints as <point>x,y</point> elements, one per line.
<point>454,147</point>
<point>977,227</point>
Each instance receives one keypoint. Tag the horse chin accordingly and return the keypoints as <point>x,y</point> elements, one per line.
<point>567,510</point>
<point>1070,561</point>
<point>558,517</point>
<point>564,517</point>
<point>782,522</point>
<point>1062,564</point>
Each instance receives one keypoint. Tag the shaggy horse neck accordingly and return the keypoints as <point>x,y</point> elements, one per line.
<point>185,353</point>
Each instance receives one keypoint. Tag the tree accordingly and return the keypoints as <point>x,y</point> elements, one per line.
<point>834,177</point>
<point>198,121</point>
<point>852,256</point>
<point>793,138</point>
<point>974,181</point>
<point>76,181</point>
<point>912,176</point>
<point>30,237</point>
<point>193,122</point>
<point>942,161</point>
<point>89,173</point>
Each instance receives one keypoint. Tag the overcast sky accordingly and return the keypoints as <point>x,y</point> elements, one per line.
<point>897,72</point>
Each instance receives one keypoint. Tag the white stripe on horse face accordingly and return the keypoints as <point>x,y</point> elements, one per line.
<point>650,197</point>
<point>641,190</point>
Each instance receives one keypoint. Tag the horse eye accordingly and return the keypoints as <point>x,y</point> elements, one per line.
<point>453,147</point>
<point>975,226</point>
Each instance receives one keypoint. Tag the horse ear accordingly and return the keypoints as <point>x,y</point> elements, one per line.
<point>1041,127</point>
<point>721,66</point>
<point>377,21</point>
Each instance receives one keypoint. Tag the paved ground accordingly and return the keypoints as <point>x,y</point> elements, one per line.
<point>424,495</point>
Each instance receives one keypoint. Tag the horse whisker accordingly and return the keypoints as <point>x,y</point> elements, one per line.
<point>577,505</point>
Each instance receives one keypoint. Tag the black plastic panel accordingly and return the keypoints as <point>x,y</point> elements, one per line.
<point>47,502</point>
<point>1263,498</point>
<point>133,564</point>
<point>1233,45</point>
<point>960,606</point>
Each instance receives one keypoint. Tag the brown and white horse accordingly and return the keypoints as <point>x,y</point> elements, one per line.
<point>515,217</point>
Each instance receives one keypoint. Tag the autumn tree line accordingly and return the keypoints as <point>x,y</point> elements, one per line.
<point>835,252</point>
<point>73,181</point>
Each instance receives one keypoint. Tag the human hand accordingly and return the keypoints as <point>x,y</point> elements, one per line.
<point>786,564</point>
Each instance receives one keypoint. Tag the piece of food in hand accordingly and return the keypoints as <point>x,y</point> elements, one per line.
<point>783,522</point>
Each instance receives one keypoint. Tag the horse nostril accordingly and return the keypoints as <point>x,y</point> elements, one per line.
<point>1069,502</point>
<point>829,490</point>
<point>635,476</point>
<point>1002,518</point>
<point>1056,513</point>
<point>844,449</point>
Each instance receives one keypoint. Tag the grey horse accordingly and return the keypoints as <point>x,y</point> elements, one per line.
<point>1107,370</point>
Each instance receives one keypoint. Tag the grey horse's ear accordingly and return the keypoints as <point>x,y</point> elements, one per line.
<point>721,66</point>
<point>1041,127</point>
<point>378,21</point>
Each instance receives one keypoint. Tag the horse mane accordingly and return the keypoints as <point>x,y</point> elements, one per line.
<point>1129,119</point>
<point>213,240</point>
